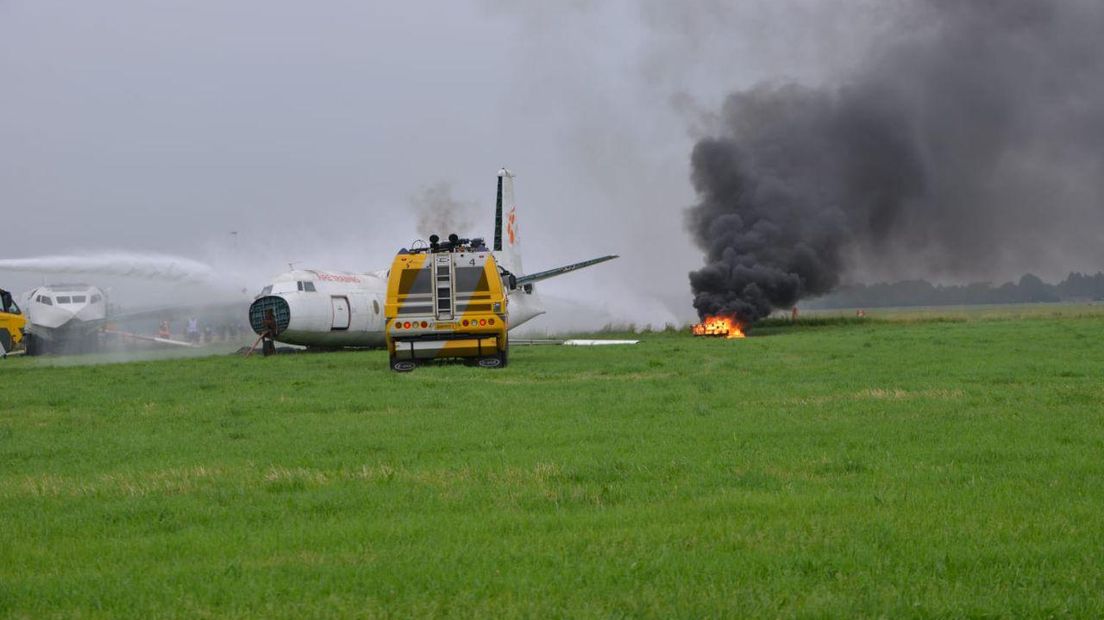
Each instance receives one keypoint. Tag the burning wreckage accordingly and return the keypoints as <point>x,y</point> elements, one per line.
<point>719,327</point>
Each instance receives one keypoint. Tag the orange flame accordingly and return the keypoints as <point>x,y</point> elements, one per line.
<point>725,326</point>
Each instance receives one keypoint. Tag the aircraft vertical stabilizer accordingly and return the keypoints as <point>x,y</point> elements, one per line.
<point>506,239</point>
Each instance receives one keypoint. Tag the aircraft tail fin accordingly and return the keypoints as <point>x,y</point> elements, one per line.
<point>506,239</point>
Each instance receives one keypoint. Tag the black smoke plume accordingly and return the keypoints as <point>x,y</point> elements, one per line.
<point>970,142</point>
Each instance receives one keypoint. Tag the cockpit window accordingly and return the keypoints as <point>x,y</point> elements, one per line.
<point>266,290</point>
<point>79,299</point>
<point>95,299</point>
<point>42,299</point>
<point>308,287</point>
<point>64,299</point>
<point>7,304</point>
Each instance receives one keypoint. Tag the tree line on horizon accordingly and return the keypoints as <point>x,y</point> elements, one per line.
<point>1029,289</point>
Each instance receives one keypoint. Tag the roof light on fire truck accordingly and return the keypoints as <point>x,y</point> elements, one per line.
<point>490,321</point>
<point>464,322</point>
<point>398,324</point>
<point>406,325</point>
<point>482,321</point>
<point>424,325</point>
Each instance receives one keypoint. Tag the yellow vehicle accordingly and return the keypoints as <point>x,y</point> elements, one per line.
<point>446,301</point>
<point>12,324</point>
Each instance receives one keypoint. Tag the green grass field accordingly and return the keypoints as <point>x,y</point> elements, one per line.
<point>910,466</point>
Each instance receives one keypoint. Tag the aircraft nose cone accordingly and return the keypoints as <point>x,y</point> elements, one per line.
<point>259,309</point>
<point>52,316</point>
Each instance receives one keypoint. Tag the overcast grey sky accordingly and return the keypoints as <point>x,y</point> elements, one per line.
<point>161,125</point>
<point>307,127</point>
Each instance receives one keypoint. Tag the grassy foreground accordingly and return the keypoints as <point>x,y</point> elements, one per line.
<point>919,468</point>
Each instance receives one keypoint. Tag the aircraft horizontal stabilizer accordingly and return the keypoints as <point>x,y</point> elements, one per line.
<point>551,273</point>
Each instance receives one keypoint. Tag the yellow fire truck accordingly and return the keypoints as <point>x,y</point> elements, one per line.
<point>446,300</point>
<point>12,324</point>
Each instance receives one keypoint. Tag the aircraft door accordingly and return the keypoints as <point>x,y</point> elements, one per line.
<point>340,312</point>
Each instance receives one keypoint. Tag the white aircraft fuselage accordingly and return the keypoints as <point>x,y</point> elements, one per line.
<point>330,309</point>
<point>339,309</point>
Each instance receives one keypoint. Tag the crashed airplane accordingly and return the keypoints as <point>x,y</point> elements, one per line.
<point>333,309</point>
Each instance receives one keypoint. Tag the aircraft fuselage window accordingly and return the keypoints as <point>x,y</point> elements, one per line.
<point>78,299</point>
<point>64,299</point>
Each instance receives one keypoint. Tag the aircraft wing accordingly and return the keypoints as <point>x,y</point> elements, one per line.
<point>177,343</point>
<point>552,273</point>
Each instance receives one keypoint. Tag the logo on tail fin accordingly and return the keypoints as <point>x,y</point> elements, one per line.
<point>511,225</point>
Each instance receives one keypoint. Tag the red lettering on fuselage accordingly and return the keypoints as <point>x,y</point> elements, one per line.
<point>338,277</point>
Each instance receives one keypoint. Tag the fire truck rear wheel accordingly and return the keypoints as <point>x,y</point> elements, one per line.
<point>403,365</point>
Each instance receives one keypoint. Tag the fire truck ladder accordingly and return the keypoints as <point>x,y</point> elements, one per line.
<point>443,276</point>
